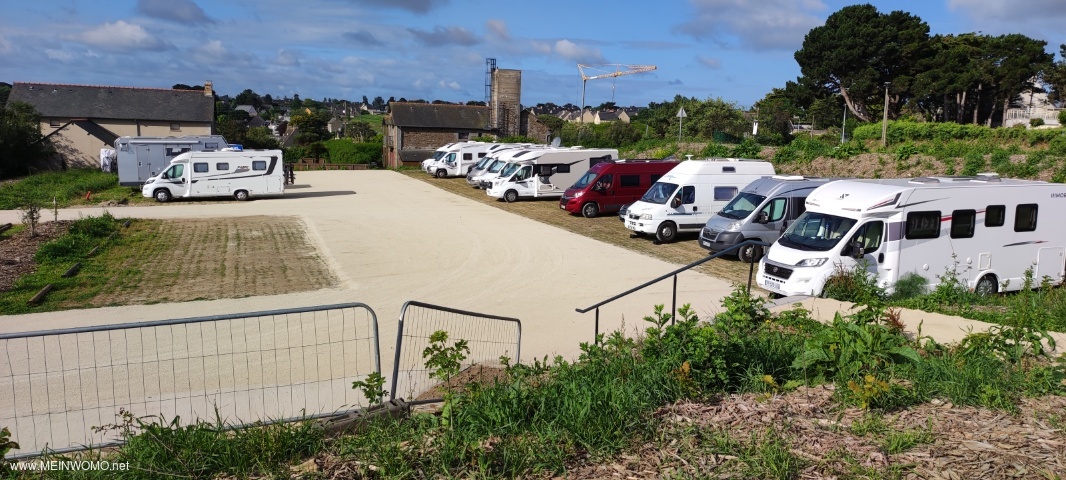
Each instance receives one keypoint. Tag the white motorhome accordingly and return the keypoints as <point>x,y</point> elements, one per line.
<point>141,158</point>
<point>436,156</point>
<point>461,157</point>
<point>481,177</point>
<point>240,174</point>
<point>984,229</point>
<point>762,211</point>
<point>686,197</point>
<point>547,172</point>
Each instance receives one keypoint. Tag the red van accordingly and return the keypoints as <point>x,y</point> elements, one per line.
<point>609,185</point>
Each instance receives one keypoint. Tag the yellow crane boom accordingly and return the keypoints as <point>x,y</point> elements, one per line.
<point>618,72</point>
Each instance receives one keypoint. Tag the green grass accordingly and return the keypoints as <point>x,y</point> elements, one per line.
<point>96,273</point>
<point>66,188</point>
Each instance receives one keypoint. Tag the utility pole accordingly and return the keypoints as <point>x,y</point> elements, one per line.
<point>844,126</point>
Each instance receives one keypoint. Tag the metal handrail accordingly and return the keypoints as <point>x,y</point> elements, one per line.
<point>673,307</point>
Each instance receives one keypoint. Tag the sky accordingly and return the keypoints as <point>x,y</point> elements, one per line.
<point>736,50</point>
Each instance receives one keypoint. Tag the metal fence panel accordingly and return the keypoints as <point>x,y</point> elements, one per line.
<point>278,365</point>
<point>488,336</point>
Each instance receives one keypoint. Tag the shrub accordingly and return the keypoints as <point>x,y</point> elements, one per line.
<point>749,148</point>
<point>1062,117</point>
<point>854,285</point>
<point>974,164</point>
<point>1036,122</point>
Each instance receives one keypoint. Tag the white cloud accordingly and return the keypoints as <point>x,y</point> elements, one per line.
<point>541,47</point>
<point>59,55</point>
<point>5,46</point>
<point>709,61</point>
<point>498,28</point>
<point>214,52</point>
<point>453,85</point>
<point>123,37</point>
<point>765,25</point>
<point>1040,19</point>
<point>581,54</point>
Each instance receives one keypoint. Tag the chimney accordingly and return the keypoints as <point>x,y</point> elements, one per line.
<point>208,91</point>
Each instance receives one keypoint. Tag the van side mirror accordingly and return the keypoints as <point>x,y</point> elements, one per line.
<point>762,217</point>
<point>854,250</point>
<point>675,202</point>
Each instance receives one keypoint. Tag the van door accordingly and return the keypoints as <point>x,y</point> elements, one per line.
<point>773,212</point>
<point>688,212</point>
<point>176,179</point>
<point>869,237</point>
<point>523,181</point>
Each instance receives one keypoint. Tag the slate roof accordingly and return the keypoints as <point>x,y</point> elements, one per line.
<point>427,115</point>
<point>118,103</point>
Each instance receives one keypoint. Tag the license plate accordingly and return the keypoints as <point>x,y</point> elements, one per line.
<point>631,225</point>
<point>771,285</point>
<point>705,243</point>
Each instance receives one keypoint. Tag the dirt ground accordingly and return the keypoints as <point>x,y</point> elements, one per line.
<point>233,258</point>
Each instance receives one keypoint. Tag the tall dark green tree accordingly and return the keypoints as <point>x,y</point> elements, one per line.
<point>858,50</point>
<point>1055,78</point>
<point>21,142</point>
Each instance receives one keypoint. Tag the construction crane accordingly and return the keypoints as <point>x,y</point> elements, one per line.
<point>618,72</point>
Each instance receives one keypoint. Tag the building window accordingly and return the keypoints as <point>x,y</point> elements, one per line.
<point>962,223</point>
<point>54,122</point>
<point>995,215</point>
<point>923,225</point>
<point>259,165</point>
<point>1025,218</point>
<point>175,127</point>
<point>199,167</point>
<point>222,167</point>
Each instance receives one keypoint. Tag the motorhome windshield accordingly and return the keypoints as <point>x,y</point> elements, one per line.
<point>818,232</point>
<point>484,161</point>
<point>438,154</point>
<point>659,193</point>
<point>586,180</point>
<point>742,205</point>
<point>509,169</point>
<point>496,166</point>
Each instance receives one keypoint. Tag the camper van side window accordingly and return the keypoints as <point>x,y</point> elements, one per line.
<point>962,223</point>
<point>688,195</point>
<point>729,170</point>
<point>630,180</point>
<point>724,194</point>
<point>211,146</point>
<point>655,178</point>
<point>1025,218</point>
<point>923,225</point>
<point>468,156</point>
<point>222,166</point>
<point>995,215</point>
<point>259,165</point>
<point>562,168</point>
<point>481,155</point>
<point>199,167</point>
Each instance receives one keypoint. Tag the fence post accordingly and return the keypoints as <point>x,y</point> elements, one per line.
<point>596,338</point>
<point>751,272</point>
<point>673,303</point>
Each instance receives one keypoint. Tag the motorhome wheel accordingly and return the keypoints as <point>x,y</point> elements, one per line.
<point>441,173</point>
<point>986,286</point>
<point>510,196</point>
<point>241,195</point>
<point>162,195</point>
<point>666,232</point>
<point>590,210</point>
<point>749,253</point>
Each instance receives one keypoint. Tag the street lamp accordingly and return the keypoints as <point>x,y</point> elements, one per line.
<point>884,123</point>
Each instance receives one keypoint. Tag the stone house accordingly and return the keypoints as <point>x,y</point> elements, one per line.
<point>414,130</point>
<point>79,120</point>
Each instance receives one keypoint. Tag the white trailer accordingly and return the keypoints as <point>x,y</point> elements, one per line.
<point>985,230</point>
<point>240,174</point>
<point>688,196</point>
<point>141,158</point>
<point>547,172</point>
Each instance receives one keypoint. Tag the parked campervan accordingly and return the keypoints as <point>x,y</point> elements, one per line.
<point>481,178</point>
<point>609,185</point>
<point>436,156</point>
<point>241,174</point>
<point>460,157</point>
<point>686,197</point>
<point>761,211</point>
<point>984,230</point>
<point>141,158</point>
<point>547,172</point>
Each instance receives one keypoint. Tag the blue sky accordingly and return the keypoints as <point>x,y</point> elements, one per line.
<point>435,49</point>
